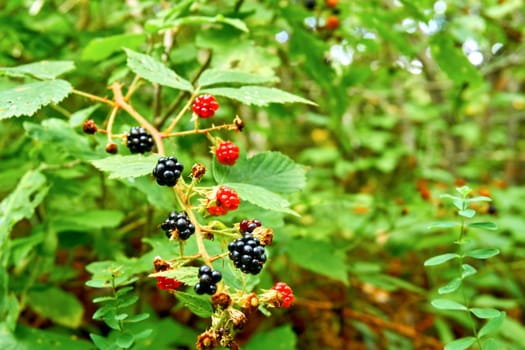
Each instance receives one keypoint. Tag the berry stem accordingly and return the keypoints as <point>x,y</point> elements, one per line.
<point>182,111</point>
<point>94,97</point>
<point>201,131</point>
<point>111,120</point>
<point>120,102</point>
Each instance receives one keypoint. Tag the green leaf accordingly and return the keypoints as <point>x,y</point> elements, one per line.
<point>156,72</point>
<point>492,325</point>
<point>99,49</point>
<point>445,304</point>
<point>440,259</point>
<point>257,95</point>
<point>137,318</point>
<point>127,300</point>
<point>29,338</point>
<point>262,197</point>
<point>230,76</point>
<point>21,203</point>
<point>59,134</point>
<point>468,270</point>
<point>482,253</point>
<point>483,225</point>
<point>281,338</point>
<point>28,98</point>
<point>199,305</point>
<point>450,287</point>
<point>491,344</point>
<point>485,312</point>
<point>125,340</point>
<point>184,274</point>
<point>443,224</point>
<point>103,343</point>
<point>320,257</point>
<point>467,213</point>
<point>273,171</point>
<point>39,70</point>
<point>59,306</point>
<point>127,166</point>
<point>87,220</point>
<point>452,61</point>
<point>460,344</point>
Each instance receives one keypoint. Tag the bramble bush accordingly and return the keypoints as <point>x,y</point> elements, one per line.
<point>261,174</point>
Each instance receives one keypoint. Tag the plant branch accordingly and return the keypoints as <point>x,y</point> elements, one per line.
<point>120,102</point>
<point>94,97</point>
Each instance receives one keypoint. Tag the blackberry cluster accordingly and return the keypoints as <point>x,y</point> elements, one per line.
<point>139,140</point>
<point>247,226</point>
<point>178,223</point>
<point>167,171</point>
<point>247,254</point>
<point>208,280</point>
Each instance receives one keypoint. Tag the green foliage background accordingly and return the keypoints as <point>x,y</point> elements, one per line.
<point>401,116</point>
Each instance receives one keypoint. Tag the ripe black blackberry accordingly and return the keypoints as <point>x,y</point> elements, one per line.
<point>247,226</point>
<point>178,225</point>
<point>247,254</point>
<point>167,171</point>
<point>139,140</point>
<point>208,280</point>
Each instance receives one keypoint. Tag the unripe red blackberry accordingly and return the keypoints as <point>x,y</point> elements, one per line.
<point>139,140</point>
<point>205,106</point>
<point>227,152</point>
<point>247,226</point>
<point>167,171</point>
<point>111,148</point>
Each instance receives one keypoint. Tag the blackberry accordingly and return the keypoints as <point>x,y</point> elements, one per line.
<point>178,225</point>
<point>247,226</point>
<point>247,254</point>
<point>167,171</point>
<point>139,140</point>
<point>309,4</point>
<point>208,280</point>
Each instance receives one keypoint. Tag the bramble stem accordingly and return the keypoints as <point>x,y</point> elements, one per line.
<point>201,131</point>
<point>111,120</point>
<point>94,97</point>
<point>182,111</point>
<point>120,102</point>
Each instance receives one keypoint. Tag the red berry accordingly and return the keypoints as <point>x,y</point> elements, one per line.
<point>167,283</point>
<point>205,106</point>
<point>286,293</point>
<point>217,210</point>
<point>331,3</point>
<point>227,153</point>
<point>332,22</point>
<point>227,198</point>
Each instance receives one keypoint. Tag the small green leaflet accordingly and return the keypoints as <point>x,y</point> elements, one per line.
<point>199,305</point>
<point>492,325</point>
<point>460,344</point>
<point>482,253</point>
<point>39,70</point>
<point>445,304</point>
<point>230,76</point>
<point>28,98</point>
<point>485,312</point>
<point>483,225</point>
<point>257,95</point>
<point>154,71</point>
<point>440,259</point>
<point>450,287</point>
<point>126,166</point>
<point>156,25</point>
<point>443,224</point>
